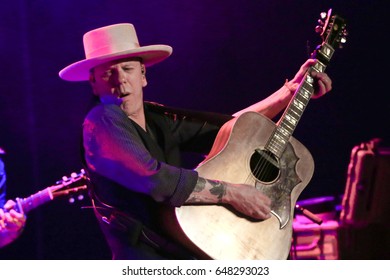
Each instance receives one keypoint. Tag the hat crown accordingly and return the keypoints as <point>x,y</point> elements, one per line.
<point>109,43</point>
<point>110,39</point>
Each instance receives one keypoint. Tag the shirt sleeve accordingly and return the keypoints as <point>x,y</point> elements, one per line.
<point>114,149</point>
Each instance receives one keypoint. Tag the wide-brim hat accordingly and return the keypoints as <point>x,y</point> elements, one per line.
<point>110,43</point>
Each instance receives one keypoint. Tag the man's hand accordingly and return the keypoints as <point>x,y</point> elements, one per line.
<point>11,223</point>
<point>323,82</point>
<point>248,200</point>
<point>244,198</point>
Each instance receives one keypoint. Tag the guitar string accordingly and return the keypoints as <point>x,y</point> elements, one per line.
<point>263,166</point>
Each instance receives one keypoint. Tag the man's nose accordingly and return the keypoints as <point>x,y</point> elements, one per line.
<point>119,77</point>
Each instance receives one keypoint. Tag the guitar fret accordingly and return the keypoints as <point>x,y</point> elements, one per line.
<point>298,114</point>
<point>273,150</point>
<point>308,87</point>
<point>273,146</point>
<point>309,80</point>
<point>291,120</point>
<point>281,137</point>
<point>326,51</point>
<point>287,127</point>
<point>284,131</point>
<point>276,150</point>
<point>305,94</point>
<point>319,67</point>
<point>301,98</point>
<point>298,104</point>
<point>277,141</point>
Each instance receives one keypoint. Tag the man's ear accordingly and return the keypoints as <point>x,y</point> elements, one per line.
<point>92,83</point>
<point>92,78</point>
<point>143,72</point>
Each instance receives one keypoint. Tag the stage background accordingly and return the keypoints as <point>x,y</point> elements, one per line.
<point>227,54</point>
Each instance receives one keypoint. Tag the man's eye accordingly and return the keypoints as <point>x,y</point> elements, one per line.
<point>106,74</point>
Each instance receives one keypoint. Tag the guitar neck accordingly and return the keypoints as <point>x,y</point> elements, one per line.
<point>294,111</point>
<point>29,203</point>
<point>68,185</point>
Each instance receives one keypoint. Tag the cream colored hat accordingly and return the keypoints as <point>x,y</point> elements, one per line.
<point>110,43</point>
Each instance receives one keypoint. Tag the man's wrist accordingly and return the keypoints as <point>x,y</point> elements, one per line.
<point>290,86</point>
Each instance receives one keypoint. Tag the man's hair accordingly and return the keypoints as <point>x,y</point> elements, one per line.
<point>136,58</point>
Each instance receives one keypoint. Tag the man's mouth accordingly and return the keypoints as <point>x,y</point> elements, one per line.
<point>121,95</point>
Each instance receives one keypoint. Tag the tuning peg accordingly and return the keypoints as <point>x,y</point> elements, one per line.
<point>321,22</point>
<point>343,38</point>
<point>342,42</point>
<point>319,29</point>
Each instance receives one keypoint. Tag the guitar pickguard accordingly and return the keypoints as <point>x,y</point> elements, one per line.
<point>280,190</point>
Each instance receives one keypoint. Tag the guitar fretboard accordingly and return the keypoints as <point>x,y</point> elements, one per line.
<point>292,114</point>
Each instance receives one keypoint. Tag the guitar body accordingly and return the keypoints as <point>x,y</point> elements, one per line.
<point>222,233</point>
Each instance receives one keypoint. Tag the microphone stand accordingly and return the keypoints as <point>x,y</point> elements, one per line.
<point>308,214</point>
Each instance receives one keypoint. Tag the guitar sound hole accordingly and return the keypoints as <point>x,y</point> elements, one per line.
<point>264,166</point>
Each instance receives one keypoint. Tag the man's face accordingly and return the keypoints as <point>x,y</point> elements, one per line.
<point>122,79</point>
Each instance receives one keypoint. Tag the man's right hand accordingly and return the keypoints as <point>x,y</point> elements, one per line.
<point>248,200</point>
<point>244,198</point>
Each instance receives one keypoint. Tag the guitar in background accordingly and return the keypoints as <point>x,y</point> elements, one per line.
<point>67,186</point>
<point>254,150</point>
<point>11,224</point>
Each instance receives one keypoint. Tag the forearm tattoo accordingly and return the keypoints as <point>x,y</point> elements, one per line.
<point>217,189</point>
<point>200,185</point>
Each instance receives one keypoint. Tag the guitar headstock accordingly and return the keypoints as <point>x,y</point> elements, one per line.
<point>69,185</point>
<point>74,177</point>
<point>332,29</point>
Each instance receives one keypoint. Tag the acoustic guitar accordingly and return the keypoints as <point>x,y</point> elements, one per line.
<point>254,150</point>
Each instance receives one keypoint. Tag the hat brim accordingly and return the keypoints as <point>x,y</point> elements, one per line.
<point>80,70</point>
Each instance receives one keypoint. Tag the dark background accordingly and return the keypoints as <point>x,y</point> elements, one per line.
<point>227,55</point>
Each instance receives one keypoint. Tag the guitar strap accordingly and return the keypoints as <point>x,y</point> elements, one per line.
<point>136,232</point>
<point>122,223</point>
<point>213,118</point>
